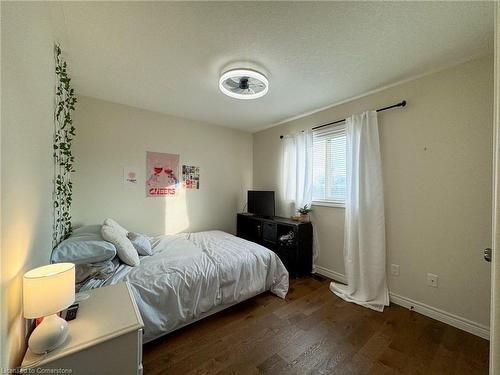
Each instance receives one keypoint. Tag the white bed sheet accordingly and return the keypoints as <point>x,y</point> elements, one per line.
<point>192,273</point>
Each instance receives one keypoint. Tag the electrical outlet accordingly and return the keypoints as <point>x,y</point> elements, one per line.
<point>395,269</point>
<point>432,280</point>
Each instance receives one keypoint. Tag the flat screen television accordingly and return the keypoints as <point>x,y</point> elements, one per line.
<point>261,203</point>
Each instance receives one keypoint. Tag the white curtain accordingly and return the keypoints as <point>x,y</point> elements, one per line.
<point>364,233</point>
<point>296,186</point>
<point>297,169</point>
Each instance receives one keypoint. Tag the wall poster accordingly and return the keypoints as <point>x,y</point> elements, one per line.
<point>130,177</point>
<point>162,171</point>
<point>190,177</point>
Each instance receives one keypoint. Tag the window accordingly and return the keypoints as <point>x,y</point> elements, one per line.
<point>329,165</point>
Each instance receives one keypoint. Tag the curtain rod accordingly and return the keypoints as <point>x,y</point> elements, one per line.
<point>400,104</point>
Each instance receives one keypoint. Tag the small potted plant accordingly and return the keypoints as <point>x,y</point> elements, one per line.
<point>304,213</point>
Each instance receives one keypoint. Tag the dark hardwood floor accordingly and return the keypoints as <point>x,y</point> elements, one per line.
<point>315,332</point>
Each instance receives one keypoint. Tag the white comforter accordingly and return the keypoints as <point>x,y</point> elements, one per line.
<point>190,274</point>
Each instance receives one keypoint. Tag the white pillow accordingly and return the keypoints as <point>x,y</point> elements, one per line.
<point>111,231</point>
<point>141,243</point>
<point>114,224</point>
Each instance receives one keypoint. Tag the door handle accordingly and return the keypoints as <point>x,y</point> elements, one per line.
<point>487,254</point>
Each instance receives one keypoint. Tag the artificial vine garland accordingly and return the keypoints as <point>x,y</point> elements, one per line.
<point>64,132</point>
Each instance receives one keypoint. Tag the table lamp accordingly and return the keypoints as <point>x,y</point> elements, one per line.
<point>46,291</point>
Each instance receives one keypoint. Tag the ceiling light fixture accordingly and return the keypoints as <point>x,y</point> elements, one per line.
<point>243,84</point>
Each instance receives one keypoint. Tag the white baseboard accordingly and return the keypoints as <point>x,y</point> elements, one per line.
<point>432,312</point>
<point>443,316</point>
<point>330,274</point>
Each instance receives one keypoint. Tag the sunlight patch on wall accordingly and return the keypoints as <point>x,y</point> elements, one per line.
<point>176,216</point>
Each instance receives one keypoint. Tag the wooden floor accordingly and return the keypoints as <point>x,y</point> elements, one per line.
<point>315,332</point>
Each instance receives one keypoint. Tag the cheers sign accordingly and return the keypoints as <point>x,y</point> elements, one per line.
<point>162,171</point>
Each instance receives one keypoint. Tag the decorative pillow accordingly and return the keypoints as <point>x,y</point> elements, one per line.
<point>117,226</point>
<point>83,246</point>
<point>117,235</point>
<point>141,243</point>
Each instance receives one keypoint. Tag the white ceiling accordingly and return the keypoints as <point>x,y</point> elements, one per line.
<point>167,57</point>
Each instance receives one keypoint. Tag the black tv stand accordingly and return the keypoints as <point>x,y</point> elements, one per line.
<point>291,240</point>
<point>261,217</point>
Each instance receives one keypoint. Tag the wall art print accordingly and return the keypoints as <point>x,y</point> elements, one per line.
<point>190,177</point>
<point>130,177</point>
<point>162,171</point>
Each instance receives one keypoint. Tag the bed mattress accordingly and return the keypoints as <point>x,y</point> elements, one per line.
<point>191,274</point>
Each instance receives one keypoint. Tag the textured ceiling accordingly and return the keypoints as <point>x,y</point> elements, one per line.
<point>167,57</point>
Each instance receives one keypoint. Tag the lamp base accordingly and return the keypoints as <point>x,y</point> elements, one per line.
<point>48,335</point>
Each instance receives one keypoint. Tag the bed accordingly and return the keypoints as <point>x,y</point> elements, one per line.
<point>192,275</point>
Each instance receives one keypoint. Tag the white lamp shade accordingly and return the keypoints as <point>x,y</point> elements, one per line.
<point>48,289</point>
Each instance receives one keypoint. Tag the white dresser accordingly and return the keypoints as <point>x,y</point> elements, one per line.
<point>105,338</point>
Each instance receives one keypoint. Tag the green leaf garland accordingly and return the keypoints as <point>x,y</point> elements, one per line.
<point>64,133</point>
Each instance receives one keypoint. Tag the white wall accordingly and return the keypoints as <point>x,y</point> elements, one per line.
<point>112,136</point>
<point>437,167</point>
<point>26,160</point>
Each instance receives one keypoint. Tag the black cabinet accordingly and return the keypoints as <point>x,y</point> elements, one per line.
<point>292,241</point>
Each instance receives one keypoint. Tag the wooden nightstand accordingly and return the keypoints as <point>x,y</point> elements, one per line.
<point>105,338</point>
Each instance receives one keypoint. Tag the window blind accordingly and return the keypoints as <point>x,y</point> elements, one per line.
<point>329,164</point>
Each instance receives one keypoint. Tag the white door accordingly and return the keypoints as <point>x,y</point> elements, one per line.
<point>495,265</point>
